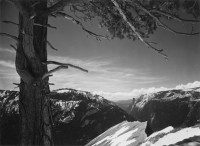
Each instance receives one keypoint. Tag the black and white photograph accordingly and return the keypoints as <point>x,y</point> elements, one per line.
<point>100,72</point>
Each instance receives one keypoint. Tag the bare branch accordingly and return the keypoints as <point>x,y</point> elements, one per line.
<point>161,24</point>
<point>49,73</point>
<point>59,6</point>
<point>9,35</point>
<point>48,25</point>
<point>177,32</point>
<point>97,36</point>
<point>9,22</point>
<point>51,84</point>
<point>17,84</point>
<point>13,47</point>
<point>174,17</point>
<point>160,51</point>
<point>65,64</point>
<point>51,46</point>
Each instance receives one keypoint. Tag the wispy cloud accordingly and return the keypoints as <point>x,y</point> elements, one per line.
<point>137,92</point>
<point>8,50</point>
<point>188,85</point>
<point>6,63</point>
<point>104,75</point>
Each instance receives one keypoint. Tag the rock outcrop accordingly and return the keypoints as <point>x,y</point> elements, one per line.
<point>167,108</point>
<point>189,136</point>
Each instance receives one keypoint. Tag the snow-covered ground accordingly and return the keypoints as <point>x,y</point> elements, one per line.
<point>133,134</point>
<point>122,134</point>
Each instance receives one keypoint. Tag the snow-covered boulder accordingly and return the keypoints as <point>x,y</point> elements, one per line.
<point>122,134</point>
<point>133,134</point>
<point>167,108</point>
<point>189,136</point>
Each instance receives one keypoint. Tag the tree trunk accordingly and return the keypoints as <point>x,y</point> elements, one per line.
<point>34,104</point>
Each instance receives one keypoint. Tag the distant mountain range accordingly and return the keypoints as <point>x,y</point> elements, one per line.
<point>166,108</point>
<point>79,116</point>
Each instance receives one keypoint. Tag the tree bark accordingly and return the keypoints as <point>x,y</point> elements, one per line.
<point>34,104</point>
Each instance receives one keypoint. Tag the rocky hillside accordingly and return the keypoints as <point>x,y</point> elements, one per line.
<point>78,116</point>
<point>167,108</point>
<point>124,104</point>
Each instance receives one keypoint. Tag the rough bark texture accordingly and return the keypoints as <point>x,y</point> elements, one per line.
<point>34,104</point>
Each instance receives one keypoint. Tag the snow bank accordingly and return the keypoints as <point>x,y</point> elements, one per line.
<point>122,134</point>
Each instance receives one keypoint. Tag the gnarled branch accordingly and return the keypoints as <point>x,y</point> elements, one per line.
<point>160,51</point>
<point>65,64</point>
<point>97,36</point>
<point>49,73</point>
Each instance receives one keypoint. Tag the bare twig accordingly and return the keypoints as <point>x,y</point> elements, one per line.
<point>48,25</point>
<point>17,84</point>
<point>59,6</point>
<point>161,24</point>
<point>160,51</point>
<point>97,36</point>
<point>174,17</point>
<point>51,46</point>
<point>9,35</point>
<point>65,64</point>
<point>53,70</point>
<point>51,84</point>
<point>13,47</point>
<point>9,22</point>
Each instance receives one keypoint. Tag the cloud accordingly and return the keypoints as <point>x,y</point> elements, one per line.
<point>137,92</point>
<point>7,50</point>
<point>129,95</point>
<point>189,85</point>
<point>9,64</point>
<point>104,75</point>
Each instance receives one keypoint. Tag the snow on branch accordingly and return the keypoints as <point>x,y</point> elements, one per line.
<point>97,36</point>
<point>160,51</point>
<point>65,64</point>
<point>9,35</point>
<point>51,46</point>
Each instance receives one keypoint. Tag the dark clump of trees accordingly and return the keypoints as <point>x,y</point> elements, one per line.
<point>133,19</point>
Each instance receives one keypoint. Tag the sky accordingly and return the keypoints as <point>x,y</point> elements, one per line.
<point>118,69</point>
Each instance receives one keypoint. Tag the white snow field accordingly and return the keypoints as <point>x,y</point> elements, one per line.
<point>133,134</point>
<point>122,134</point>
